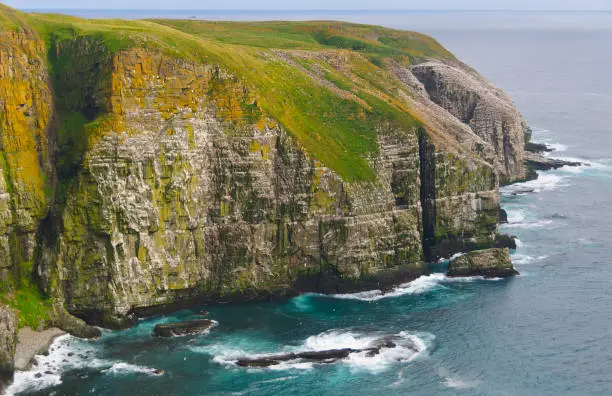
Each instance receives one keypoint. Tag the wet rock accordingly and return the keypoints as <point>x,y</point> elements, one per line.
<point>539,162</point>
<point>330,355</point>
<point>326,356</point>
<point>505,241</point>
<point>537,147</point>
<point>183,328</point>
<point>490,263</point>
<point>503,216</point>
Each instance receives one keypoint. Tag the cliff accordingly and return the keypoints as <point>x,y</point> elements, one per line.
<point>151,163</point>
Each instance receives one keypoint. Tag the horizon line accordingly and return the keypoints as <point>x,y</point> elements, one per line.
<point>311,10</point>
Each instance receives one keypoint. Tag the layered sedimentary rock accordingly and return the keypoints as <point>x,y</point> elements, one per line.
<point>168,166</point>
<point>176,201</point>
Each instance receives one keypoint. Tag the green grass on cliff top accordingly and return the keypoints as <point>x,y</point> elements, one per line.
<point>337,129</point>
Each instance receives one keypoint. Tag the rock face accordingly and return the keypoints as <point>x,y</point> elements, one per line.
<point>487,110</point>
<point>490,263</point>
<point>8,342</point>
<point>183,328</point>
<point>144,173</point>
<point>25,116</point>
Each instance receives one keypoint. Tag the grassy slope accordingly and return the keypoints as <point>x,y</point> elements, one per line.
<point>338,130</point>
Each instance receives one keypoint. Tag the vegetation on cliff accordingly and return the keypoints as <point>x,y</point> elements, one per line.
<point>347,61</point>
<point>151,161</point>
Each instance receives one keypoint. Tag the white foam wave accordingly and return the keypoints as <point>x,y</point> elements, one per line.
<point>457,383</point>
<point>420,285</point>
<point>557,147</point>
<point>546,181</point>
<point>526,259</point>
<point>519,218</point>
<point>123,368</point>
<point>67,353</point>
<point>408,346</point>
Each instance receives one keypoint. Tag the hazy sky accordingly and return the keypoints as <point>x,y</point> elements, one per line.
<point>318,4</point>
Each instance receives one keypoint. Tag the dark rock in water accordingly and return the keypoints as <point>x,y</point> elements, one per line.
<point>266,361</point>
<point>263,362</point>
<point>38,375</point>
<point>183,328</point>
<point>505,241</point>
<point>503,216</point>
<point>327,356</point>
<point>537,147</point>
<point>539,162</point>
<point>490,263</point>
<point>158,372</point>
<point>332,354</point>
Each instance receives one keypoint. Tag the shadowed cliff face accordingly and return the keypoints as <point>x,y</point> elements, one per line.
<point>175,179</point>
<point>8,340</point>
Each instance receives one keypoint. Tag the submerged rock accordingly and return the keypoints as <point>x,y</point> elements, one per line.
<point>183,328</point>
<point>490,263</point>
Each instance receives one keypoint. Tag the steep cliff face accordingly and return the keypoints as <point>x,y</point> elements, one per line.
<point>25,115</point>
<point>177,200</point>
<point>190,163</point>
<point>8,341</point>
<point>487,110</point>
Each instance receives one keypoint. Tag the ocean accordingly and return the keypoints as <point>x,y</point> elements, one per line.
<point>545,332</point>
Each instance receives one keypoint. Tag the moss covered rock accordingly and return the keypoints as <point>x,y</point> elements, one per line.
<point>490,263</point>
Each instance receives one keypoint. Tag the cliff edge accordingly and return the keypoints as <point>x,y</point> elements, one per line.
<point>160,162</point>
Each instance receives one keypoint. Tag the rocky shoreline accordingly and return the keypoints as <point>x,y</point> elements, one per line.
<point>490,263</point>
<point>31,343</point>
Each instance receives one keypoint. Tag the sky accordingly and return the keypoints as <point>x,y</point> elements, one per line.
<point>557,5</point>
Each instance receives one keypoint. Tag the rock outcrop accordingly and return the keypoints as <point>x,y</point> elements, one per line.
<point>8,342</point>
<point>324,356</point>
<point>188,327</point>
<point>490,263</point>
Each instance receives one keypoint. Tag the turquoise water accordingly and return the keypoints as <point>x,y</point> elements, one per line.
<point>546,332</point>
